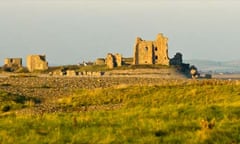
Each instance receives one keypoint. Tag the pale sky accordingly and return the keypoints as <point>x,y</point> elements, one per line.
<point>70,31</point>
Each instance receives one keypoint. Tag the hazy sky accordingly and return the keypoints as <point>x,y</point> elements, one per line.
<point>70,31</point>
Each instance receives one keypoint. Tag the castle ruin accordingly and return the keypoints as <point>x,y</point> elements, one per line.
<point>151,52</point>
<point>13,62</point>
<point>113,60</point>
<point>37,63</point>
<point>100,61</point>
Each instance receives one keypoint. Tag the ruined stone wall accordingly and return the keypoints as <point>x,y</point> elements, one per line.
<point>113,60</point>
<point>161,50</point>
<point>100,61</point>
<point>110,61</point>
<point>37,63</point>
<point>127,61</point>
<point>145,52</point>
<point>151,52</point>
<point>74,73</point>
<point>118,59</point>
<point>71,73</point>
<point>13,62</point>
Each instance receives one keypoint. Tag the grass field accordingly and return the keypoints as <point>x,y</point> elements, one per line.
<point>193,112</point>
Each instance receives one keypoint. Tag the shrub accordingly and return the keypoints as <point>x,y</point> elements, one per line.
<point>5,84</point>
<point>5,108</point>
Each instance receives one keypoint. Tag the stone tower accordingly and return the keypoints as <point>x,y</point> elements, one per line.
<point>113,60</point>
<point>151,52</point>
<point>110,61</point>
<point>37,63</point>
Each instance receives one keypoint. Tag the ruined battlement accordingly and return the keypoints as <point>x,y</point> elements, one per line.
<point>151,52</point>
<point>37,63</point>
<point>113,60</point>
<point>11,62</point>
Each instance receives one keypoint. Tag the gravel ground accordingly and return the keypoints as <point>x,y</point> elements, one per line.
<point>49,89</point>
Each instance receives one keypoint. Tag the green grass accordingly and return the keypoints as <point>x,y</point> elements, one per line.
<point>170,113</point>
<point>10,102</point>
<point>104,68</point>
<point>93,68</point>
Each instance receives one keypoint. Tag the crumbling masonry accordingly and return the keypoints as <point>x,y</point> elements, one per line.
<point>113,60</point>
<point>13,62</point>
<point>151,52</point>
<point>37,63</point>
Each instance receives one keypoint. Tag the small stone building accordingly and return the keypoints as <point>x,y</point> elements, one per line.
<point>127,61</point>
<point>59,72</point>
<point>71,73</point>
<point>13,62</point>
<point>151,52</point>
<point>113,60</point>
<point>37,63</point>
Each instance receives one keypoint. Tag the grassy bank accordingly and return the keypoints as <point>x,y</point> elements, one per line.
<point>196,112</point>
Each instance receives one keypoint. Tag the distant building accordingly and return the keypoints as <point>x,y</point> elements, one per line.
<point>13,62</point>
<point>100,61</point>
<point>151,52</point>
<point>113,60</point>
<point>37,63</point>
<point>71,73</point>
<point>127,61</point>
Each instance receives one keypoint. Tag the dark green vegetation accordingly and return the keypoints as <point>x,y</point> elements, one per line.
<point>188,112</point>
<point>94,68</point>
<point>10,102</point>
